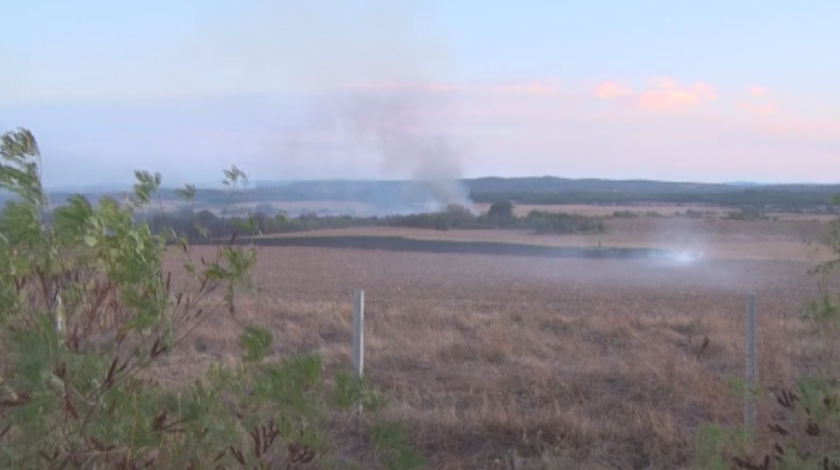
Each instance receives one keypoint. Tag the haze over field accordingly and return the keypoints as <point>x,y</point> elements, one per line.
<point>432,90</point>
<point>556,212</point>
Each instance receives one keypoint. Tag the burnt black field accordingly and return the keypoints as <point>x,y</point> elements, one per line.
<point>403,244</point>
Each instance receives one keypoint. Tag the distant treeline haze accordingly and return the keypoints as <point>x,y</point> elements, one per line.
<point>266,220</point>
<point>544,190</point>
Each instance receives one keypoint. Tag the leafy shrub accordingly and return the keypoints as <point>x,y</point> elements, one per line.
<point>85,311</point>
<point>501,211</point>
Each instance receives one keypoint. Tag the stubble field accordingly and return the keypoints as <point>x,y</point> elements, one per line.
<point>525,362</point>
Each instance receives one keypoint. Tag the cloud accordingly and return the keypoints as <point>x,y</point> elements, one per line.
<point>761,109</point>
<point>609,90</point>
<point>758,105</point>
<point>758,90</point>
<point>534,88</point>
<point>663,94</point>
<point>669,95</point>
<point>526,88</point>
<point>806,128</point>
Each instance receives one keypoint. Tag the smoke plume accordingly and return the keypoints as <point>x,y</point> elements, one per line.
<point>404,131</point>
<point>369,108</point>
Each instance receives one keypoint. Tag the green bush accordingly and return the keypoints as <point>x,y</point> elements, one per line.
<point>85,311</point>
<point>561,222</point>
<point>625,214</point>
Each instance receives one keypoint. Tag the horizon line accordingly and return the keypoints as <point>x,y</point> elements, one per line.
<point>219,185</point>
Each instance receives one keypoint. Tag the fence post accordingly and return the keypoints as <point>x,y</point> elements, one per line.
<point>749,402</point>
<point>358,332</point>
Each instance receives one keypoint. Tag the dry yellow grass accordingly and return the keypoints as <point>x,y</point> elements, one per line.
<point>789,240</point>
<point>526,363</point>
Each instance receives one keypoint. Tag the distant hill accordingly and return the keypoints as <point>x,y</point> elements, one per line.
<point>503,185</point>
<point>532,190</point>
<point>551,184</point>
<point>545,184</point>
<point>552,190</point>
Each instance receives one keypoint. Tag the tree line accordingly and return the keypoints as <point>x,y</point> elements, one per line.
<point>265,220</point>
<point>789,201</point>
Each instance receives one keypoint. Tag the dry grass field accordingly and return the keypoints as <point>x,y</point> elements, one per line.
<point>507,362</point>
<point>718,238</point>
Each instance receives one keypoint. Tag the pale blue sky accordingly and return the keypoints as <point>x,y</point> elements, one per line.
<point>707,91</point>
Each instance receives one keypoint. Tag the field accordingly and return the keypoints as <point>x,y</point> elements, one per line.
<point>536,362</point>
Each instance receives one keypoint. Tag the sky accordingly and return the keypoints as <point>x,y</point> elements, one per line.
<point>709,91</point>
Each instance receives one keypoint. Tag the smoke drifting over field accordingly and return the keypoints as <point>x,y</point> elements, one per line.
<point>393,126</point>
<point>685,239</point>
<point>352,62</point>
<point>685,256</point>
<point>402,131</point>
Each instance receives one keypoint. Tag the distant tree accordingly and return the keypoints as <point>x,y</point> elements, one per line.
<point>501,214</point>
<point>501,210</point>
<point>625,214</point>
<point>265,209</point>
<point>459,216</point>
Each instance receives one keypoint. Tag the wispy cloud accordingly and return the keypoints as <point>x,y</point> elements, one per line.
<point>505,88</point>
<point>759,109</point>
<point>668,94</point>
<point>758,105</point>
<point>662,94</point>
<point>610,90</point>
<point>488,128</point>
<point>756,90</point>
<point>527,88</point>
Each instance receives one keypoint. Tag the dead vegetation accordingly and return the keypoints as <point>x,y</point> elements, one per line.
<point>511,363</point>
<point>790,240</point>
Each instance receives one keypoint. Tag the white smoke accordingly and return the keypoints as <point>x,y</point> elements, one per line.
<point>395,126</point>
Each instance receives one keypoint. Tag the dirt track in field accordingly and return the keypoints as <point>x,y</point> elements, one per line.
<point>407,244</point>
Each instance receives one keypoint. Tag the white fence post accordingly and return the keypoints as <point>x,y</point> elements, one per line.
<point>749,402</point>
<point>359,332</point>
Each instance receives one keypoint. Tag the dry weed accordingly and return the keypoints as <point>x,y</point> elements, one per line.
<point>500,362</point>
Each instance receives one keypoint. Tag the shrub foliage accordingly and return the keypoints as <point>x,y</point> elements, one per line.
<point>86,310</point>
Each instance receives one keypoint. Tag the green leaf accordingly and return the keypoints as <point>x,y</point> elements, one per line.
<point>215,272</point>
<point>147,184</point>
<point>90,241</point>
<point>256,341</point>
<point>202,230</point>
<point>395,453</point>
<point>190,267</point>
<point>348,390</point>
<point>187,194</point>
<point>351,391</point>
<point>248,225</point>
<point>711,446</point>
